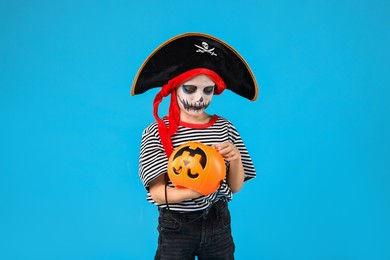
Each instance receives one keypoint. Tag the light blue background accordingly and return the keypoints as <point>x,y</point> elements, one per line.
<point>318,133</point>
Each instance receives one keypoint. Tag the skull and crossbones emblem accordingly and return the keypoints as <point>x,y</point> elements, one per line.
<point>205,49</point>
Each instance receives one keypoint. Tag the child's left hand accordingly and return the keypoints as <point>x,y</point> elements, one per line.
<point>228,151</point>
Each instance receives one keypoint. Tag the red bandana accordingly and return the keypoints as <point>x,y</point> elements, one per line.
<point>174,111</point>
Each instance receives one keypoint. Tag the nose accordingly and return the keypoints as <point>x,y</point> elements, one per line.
<point>201,99</point>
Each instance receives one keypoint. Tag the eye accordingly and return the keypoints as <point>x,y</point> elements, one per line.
<point>189,89</point>
<point>208,90</point>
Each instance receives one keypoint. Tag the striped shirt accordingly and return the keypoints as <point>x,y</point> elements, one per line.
<point>153,160</point>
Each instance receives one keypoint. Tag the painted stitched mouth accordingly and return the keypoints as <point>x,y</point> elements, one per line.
<point>196,107</point>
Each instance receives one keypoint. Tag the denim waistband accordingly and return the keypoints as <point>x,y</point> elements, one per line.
<point>212,209</point>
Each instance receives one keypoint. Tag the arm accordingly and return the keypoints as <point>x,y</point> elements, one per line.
<point>175,195</point>
<point>235,176</point>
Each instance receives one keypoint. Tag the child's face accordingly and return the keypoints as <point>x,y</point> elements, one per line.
<point>194,95</point>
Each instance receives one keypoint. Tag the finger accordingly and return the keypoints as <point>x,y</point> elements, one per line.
<point>225,151</point>
<point>223,145</point>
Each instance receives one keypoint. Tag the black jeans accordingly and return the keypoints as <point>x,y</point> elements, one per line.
<point>209,237</point>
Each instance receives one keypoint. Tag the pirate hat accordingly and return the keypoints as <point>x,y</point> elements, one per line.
<point>191,51</point>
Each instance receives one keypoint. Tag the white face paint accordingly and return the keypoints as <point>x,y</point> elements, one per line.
<point>194,95</point>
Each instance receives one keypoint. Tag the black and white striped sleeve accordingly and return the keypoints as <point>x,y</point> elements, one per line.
<point>153,160</point>
<point>247,163</point>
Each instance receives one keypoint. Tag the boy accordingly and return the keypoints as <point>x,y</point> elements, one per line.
<point>191,68</point>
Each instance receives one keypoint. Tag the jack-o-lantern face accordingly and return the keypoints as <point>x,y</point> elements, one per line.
<point>190,162</point>
<point>196,166</point>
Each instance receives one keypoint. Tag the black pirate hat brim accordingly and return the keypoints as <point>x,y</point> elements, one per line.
<point>196,50</point>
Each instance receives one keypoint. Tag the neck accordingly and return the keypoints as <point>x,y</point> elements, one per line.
<point>203,118</point>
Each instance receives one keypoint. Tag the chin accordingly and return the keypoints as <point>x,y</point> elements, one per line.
<point>192,112</point>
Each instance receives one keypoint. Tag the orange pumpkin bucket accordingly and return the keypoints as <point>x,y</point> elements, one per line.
<point>196,166</point>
